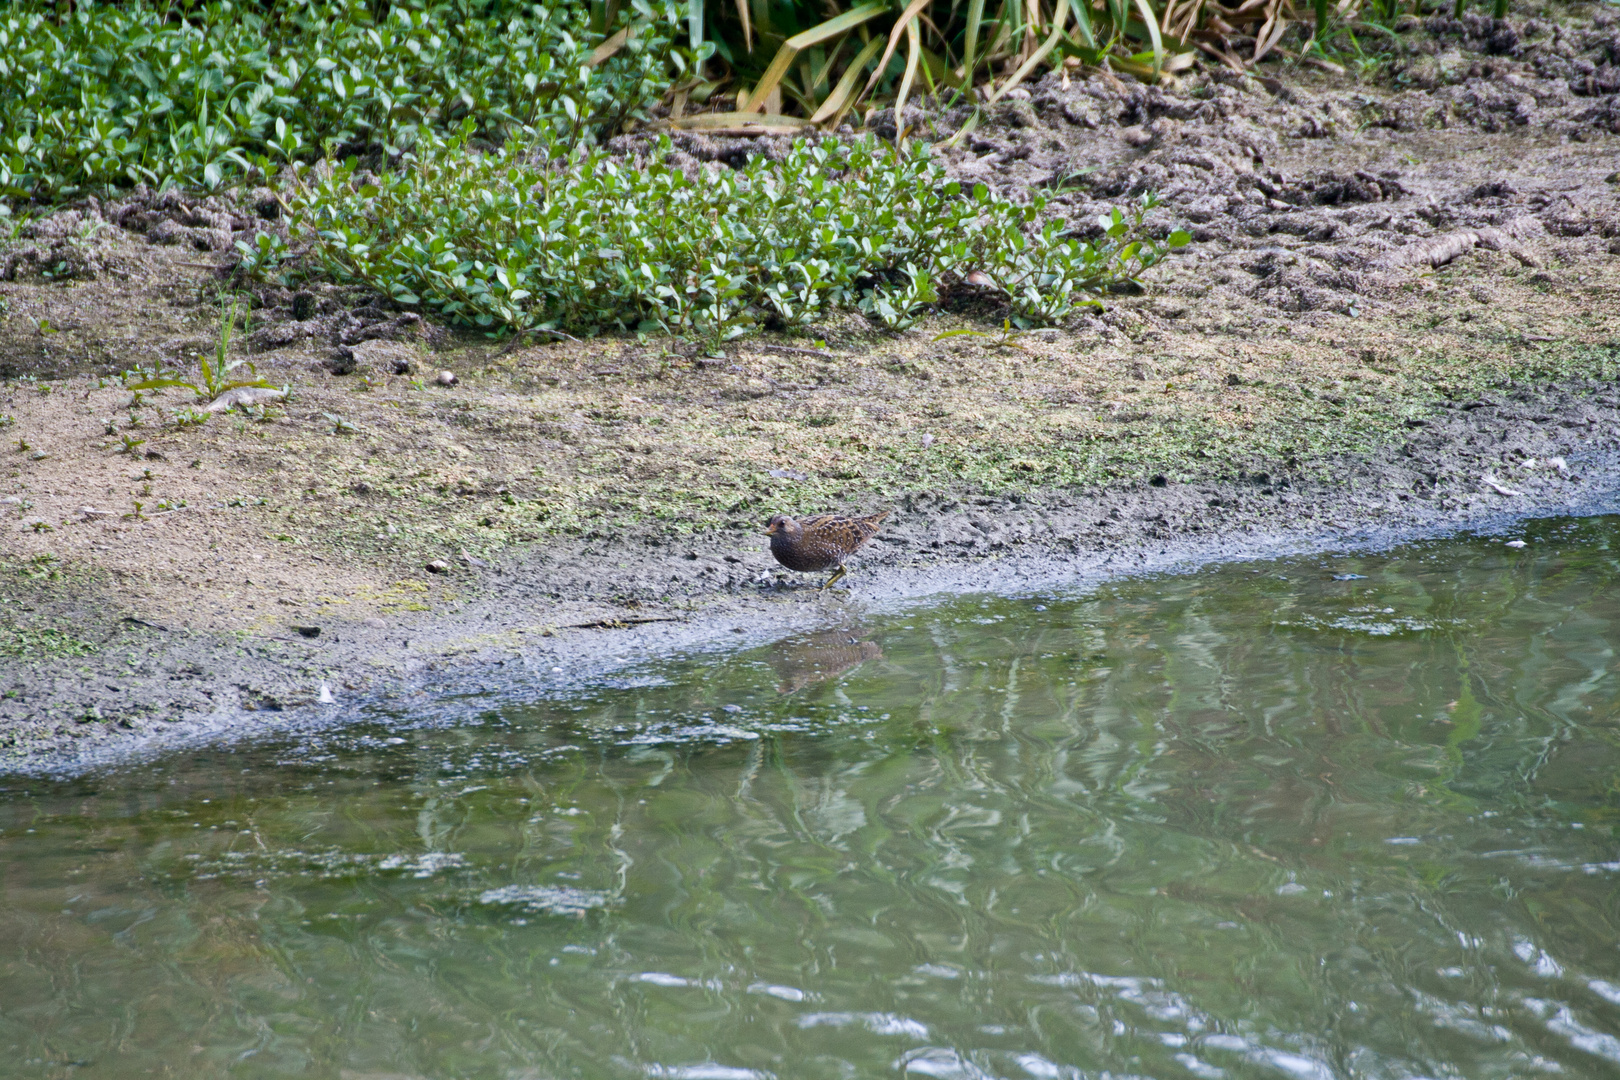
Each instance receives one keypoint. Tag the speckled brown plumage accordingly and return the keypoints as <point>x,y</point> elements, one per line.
<point>821,542</point>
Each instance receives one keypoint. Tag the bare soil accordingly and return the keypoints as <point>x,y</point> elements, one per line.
<point>1402,302</point>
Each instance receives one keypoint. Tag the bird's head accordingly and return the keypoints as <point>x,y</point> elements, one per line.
<point>783,524</point>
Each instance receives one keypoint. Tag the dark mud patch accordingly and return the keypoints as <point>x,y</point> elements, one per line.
<point>580,610</point>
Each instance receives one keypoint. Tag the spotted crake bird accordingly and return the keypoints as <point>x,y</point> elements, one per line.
<point>820,542</point>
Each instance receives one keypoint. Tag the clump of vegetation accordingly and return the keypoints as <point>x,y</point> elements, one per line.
<point>99,94</point>
<point>810,61</point>
<point>213,374</point>
<point>497,240</point>
<point>42,643</point>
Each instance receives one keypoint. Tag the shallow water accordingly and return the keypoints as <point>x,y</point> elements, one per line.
<point>1325,817</point>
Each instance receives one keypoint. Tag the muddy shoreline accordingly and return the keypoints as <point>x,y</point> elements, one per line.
<point>548,620</point>
<point>1392,269</point>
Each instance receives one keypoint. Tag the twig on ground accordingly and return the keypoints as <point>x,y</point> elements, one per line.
<point>143,622</point>
<point>518,337</point>
<point>615,624</point>
<point>790,349</point>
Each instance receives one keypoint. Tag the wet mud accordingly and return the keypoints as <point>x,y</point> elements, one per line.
<point>580,611</point>
<point>1316,200</point>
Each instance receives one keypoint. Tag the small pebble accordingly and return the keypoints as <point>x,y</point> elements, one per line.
<point>38,455</point>
<point>376,624</point>
<point>446,378</point>
<point>326,695</point>
<point>1515,543</point>
<point>438,566</point>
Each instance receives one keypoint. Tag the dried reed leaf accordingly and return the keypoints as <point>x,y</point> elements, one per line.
<point>610,46</point>
<point>913,55</point>
<point>1059,17</point>
<point>843,95</point>
<point>740,120</point>
<point>816,35</point>
<point>894,39</point>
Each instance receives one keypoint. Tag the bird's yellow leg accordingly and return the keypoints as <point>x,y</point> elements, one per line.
<point>840,572</point>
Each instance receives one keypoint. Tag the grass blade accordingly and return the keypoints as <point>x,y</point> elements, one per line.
<point>970,43</point>
<point>894,39</point>
<point>913,53</point>
<point>1082,23</point>
<point>843,95</point>
<point>1152,23</point>
<point>1059,17</point>
<point>816,35</point>
<point>966,130</point>
<point>694,22</point>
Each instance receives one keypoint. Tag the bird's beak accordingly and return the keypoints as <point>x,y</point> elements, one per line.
<point>770,529</point>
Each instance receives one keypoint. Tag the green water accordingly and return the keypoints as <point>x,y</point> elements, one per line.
<point>1260,821</point>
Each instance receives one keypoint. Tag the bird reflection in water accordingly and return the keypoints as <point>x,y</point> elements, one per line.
<point>827,654</point>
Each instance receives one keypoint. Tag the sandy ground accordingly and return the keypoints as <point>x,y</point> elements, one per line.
<point>1402,302</point>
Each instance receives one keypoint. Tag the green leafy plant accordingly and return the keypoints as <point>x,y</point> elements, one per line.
<point>46,641</point>
<point>99,94</point>
<point>500,242</point>
<point>1007,339</point>
<point>131,446</point>
<point>213,373</point>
